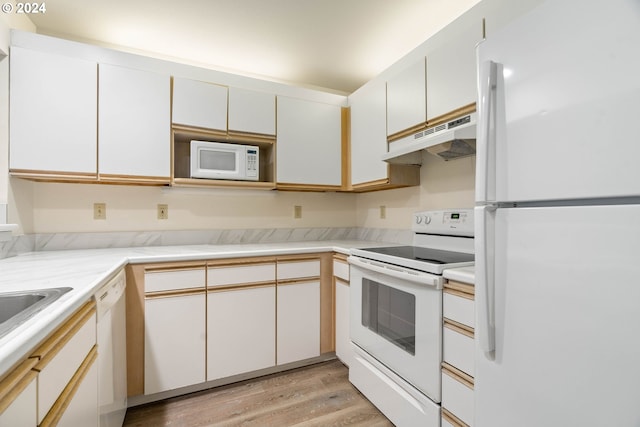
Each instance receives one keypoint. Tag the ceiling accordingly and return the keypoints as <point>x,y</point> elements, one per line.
<point>335,45</point>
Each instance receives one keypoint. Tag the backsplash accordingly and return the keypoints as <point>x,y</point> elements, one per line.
<point>66,241</point>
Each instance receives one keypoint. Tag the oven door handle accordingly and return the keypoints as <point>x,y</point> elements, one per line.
<point>398,272</point>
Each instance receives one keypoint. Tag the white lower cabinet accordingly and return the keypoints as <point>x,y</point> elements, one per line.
<point>241,330</point>
<point>21,410</point>
<point>298,333</point>
<point>298,314</point>
<point>82,406</point>
<point>174,326</point>
<point>344,351</point>
<point>174,346</point>
<point>458,354</point>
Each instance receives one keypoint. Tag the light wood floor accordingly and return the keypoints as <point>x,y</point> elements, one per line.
<point>318,395</point>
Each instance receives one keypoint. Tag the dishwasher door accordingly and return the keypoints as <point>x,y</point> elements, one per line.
<point>112,363</point>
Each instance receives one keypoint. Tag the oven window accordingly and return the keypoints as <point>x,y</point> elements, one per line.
<point>390,313</point>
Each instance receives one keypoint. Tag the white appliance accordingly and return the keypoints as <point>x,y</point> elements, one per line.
<point>396,316</point>
<point>112,354</point>
<point>451,140</point>
<point>558,218</point>
<point>221,160</point>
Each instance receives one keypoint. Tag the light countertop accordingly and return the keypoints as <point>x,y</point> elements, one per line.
<point>86,270</point>
<point>461,274</point>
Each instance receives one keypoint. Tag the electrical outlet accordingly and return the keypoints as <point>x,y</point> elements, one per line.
<point>99,211</point>
<point>383,212</point>
<point>297,212</point>
<point>163,211</point>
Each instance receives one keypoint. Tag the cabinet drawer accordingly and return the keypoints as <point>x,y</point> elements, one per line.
<point>458,349</point>
<point>241,274</point>
<point>459,309</point>
<point>167,280</point>
<point>59,363</point>
<point>341,270</point>
<point>298,269</point>
<point>457,397</point>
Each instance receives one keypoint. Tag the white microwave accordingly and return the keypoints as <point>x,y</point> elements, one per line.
<point>221,160</point>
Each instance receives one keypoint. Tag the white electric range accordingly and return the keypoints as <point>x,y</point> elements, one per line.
<point>396,315</point>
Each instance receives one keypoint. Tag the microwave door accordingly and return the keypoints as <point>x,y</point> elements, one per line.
<point>223,162</point>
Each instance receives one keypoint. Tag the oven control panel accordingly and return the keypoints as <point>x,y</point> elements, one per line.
<point>457,222</point>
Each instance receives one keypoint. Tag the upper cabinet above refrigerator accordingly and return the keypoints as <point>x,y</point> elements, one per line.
<point>451,71</point>
<point>406,99</point>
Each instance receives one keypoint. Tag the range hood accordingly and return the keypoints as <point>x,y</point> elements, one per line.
<point>451,140</point>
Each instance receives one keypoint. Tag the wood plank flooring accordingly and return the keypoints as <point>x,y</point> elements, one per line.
<point>317,395</point>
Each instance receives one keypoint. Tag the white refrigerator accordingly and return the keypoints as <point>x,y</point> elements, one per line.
<point>558,218</point>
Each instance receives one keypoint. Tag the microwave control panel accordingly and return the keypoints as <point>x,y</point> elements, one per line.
<point>252,162</point>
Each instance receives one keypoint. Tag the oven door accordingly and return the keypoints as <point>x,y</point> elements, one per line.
<point>396,317</point>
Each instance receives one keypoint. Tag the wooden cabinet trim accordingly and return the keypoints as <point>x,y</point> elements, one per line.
<point>339,280</point>
<point>467,109</point>
<point>458,375</point>
<point>340,257</point>
<point>50,348</point>
<point>452,419</point>
<point>458,327</point>
<point>234,262</point>
<point>135,329</point>
<point>286,282</point>
<point>59,407</point>
<point>227,288</point>
<point>41,175</point>
<point>170,266</point>
<point>15,383</point>
<point>461,289</point>
<point>133,179</point>
<point>174,293</point>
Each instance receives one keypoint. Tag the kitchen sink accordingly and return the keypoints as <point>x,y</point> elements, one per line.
<point>17,307</point>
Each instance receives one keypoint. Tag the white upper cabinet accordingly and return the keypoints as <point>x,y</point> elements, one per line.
<point>199,104</point>
<point>406,98</point>
<point>451,70</point>
<point>134,115</point>
<point>53,110</point>
<point>368,134</point>
<point>252,112</point>
<point>309,143</point>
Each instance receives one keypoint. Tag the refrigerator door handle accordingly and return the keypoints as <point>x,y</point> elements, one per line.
<point>486,134</point>
<point>485,278</point>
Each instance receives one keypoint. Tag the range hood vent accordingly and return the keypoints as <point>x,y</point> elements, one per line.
<point>451,140</point>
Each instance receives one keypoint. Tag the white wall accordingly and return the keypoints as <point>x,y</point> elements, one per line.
<point>443,185</point>
<point>58,208</point>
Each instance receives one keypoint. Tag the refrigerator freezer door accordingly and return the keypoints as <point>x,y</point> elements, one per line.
<point>567,319</point>
<point>570,91</point>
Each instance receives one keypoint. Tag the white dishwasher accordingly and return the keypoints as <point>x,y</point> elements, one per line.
<point>112,354</point>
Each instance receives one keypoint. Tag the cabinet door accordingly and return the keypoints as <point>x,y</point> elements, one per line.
<point>343,341</point>
<point>451,71</point>
<point>406,98</point>
<point>251,111</point>
<point>368,134</point>
<point>22,412</point>
<point>174,350</point>
<point>134,116</point>
<point>199,104</point>
<point>82,410</point>
<point>53,120</point>
<point>308,143</point>
<point>298,331</point>
<point>241,331</point>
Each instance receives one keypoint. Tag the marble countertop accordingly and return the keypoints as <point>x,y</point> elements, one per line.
<point>86,270</point>
<point>461,274</point>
